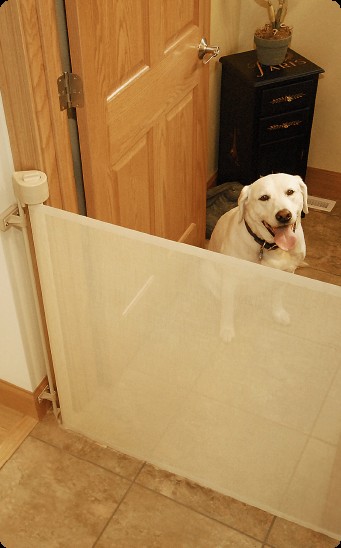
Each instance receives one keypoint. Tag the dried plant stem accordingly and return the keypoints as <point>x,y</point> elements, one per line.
<point>277,17</point>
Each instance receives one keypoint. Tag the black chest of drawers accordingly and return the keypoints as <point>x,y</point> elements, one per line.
<point>266,115</point>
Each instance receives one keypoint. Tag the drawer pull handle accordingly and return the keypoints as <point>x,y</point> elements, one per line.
<point>285,125</point>
<point>287,98</point>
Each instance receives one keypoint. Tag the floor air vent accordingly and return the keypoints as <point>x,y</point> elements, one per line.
<point>322,204</point>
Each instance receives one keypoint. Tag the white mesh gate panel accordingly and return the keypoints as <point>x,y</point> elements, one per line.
<point>223,371</point>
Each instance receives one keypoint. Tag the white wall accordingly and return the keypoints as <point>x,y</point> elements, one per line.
<point>225,22</point>
<point>316,35</point>
<point>21,357</point>
<point>317,25</point>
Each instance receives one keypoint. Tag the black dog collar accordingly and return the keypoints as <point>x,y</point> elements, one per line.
<point>263,243</point>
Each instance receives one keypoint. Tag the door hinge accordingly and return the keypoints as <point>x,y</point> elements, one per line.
<point>70,91</point>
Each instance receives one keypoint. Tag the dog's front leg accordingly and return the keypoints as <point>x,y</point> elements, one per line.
<point>279,313</point>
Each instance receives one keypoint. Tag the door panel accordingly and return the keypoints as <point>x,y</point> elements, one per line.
<point>178,155</point>
<point>143,126</point>
<point>133,176</point>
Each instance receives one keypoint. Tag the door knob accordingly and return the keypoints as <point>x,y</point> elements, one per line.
<point>205,49</point>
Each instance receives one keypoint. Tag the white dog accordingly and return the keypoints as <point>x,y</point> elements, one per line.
<point>265,228</point>
<point>266,225</point>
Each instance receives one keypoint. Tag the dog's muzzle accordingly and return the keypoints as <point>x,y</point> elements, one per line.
<point>284,234</point>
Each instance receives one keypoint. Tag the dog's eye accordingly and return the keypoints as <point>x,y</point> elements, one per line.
<point>264,198</point>
<point>290,192</point>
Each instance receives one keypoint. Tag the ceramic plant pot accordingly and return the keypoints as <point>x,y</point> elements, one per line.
<point>271,52</point>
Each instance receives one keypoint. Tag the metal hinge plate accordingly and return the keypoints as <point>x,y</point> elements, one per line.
<point>70,91</point>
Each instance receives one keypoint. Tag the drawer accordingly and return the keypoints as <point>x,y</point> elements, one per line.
<point>286,98</point>
<point>285,156</point>
<point>283,126</point>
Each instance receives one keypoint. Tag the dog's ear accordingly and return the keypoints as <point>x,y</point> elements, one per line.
<point>243,196</point>
<point>304,190</point>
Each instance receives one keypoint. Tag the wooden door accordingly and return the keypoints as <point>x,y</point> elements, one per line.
<point>143,126</point>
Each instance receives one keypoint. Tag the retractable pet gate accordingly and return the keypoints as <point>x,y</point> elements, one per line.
<point>138,328</point>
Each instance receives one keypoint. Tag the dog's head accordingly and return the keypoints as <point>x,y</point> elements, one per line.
<point>272,205</point>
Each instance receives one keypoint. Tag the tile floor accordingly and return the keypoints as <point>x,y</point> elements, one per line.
<point>322,233</point>
<point>60,490</point>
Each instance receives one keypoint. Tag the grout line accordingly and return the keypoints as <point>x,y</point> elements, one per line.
<point>295,468</point>
<point>201,513</point>
<point>323,402</point>
<point>83,459</point>
<point>309,437</point>
<point>135,481</point>
<point>114,512</point>
<point>139,471</point>
<point>269,531</point>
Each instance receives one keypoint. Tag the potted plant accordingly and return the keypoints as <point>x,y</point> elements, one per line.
<point>273,40</point>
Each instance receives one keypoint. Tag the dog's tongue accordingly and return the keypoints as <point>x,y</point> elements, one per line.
<point>285,237</point>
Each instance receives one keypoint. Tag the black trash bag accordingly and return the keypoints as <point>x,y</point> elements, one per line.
<point>219,200</point>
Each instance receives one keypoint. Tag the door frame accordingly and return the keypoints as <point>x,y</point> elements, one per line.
<point>30,63</point>
<point>38,130</point>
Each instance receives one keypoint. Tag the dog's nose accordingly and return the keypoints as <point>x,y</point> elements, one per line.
<point>283,216</point>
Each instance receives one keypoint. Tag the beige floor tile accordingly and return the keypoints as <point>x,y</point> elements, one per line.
<point>315,313</point>
<point>50,498</point>
<point>248,457</point>
<point>322,235</point>
<point>323,240</point>
<point>319,275</point>
<point>50,431</point>
<point>274,389</point>
<point>314,494</point>
<point>285,534</point>
<point>245,518</point>
<point>134,413</point>
<point>147,519</point>
<point>328,423</point>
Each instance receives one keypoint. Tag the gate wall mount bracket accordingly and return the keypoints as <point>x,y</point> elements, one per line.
<point>11,217</point>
